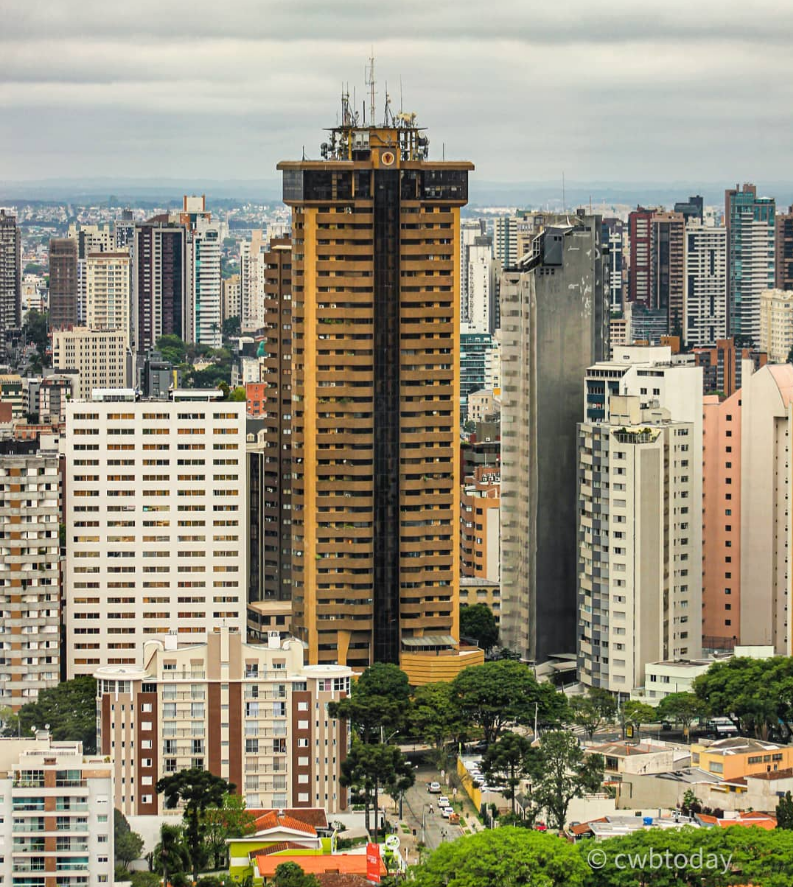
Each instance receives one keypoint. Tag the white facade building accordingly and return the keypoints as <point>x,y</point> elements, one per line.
<point>481,272</point>
<point>156,523</point>
<point>776,324</point>
<point>706,285</point>
<point>107,293</point>
<point>204,316</point>
<point>56,814</point>
<point>99,356</point>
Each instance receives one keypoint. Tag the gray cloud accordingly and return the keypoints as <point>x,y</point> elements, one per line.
<point>525,89</point>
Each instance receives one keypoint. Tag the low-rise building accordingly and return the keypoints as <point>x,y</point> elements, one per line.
<point>647,756</point>
<point>483,404</point>
<point>481,591</point>
<point>12,390</point>
<point>254,715</point>
<point>741,757</point>
<point>480,525</point>
<point>56,814</point>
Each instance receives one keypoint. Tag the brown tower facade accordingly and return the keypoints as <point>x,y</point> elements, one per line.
<point>64,285</point>
<point>375,284</point>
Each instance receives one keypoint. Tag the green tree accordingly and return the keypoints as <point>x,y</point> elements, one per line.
<point>560,771</point>
<point>637,713</point>
<point>197,790</point>
<point>172,348</point>
<point>496,694</point>
<point>369,767</point>
<point>508,761</point>
<point>70,710</point>
<point>784,813</point>
<point>231,327</point>
<point>289,874</point>
<point>504,857</point>
<point>682,708</point>
<point>435,717</point>
<point>238,395</point>
<point>594,710</point>
<point>378,704</point>
<point>171,856</point>
<point>228,820</point>
<point>478,622</point>
<point>127,845</point>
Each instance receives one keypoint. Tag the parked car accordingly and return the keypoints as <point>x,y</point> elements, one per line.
<point>443,801</point>
<point>434,788</point>
<point>446,812</point>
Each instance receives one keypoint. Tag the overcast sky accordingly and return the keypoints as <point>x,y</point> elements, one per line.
<point>700,90</point>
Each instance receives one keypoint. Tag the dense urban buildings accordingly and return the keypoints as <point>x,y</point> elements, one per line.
<point>99,356</point>
<point>156,522</point>
<point>64,283</point>
<point>376,386</point>
<point>56,826</point>
<point>10,278</point>
<point>784,250</point>
<point>750,223</point>
<point>554,324</point>
<point>254,715</point>
<point>29,572</point>
<point>722,365</point>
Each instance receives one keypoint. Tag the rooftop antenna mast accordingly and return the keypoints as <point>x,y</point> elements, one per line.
<point>370,81</point>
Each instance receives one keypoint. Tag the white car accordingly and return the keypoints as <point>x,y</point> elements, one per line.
<point>443,801</point>
<point>434,788</point>
<point>446,812</point>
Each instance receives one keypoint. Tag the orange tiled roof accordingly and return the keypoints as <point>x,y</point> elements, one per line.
<point>341,863</point>
<point>274,819</point>
<point>315,816</point>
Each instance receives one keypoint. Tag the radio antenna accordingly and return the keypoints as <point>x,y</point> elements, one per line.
<point>370,82</point>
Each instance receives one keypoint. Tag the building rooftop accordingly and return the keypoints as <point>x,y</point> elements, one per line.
<point>339,863</point>
<point>738,745</point>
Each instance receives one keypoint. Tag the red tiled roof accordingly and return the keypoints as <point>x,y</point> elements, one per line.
<point>769,824</point>
<point>314,816</point>
<point>341,863</point>
<point>275,819</point>
<point>280,847</point>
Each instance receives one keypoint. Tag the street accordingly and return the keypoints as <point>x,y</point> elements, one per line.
<point>416,806</point>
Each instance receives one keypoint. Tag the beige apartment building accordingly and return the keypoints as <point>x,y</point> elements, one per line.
<point>255,715</point>
<point>29,573</point>
<point>776,324</point>
<point>766,429</point>
<point>99,356</point>
<point>156,523</point>
<point>640,543</point>
<point>107,291</point>
<point>56,814</point>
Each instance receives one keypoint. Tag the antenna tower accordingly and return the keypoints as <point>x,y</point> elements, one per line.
<point>370,81</point>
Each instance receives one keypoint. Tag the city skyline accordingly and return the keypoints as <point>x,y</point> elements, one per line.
<point>151,91</point>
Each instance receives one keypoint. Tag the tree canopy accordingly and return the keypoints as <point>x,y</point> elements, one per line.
<point>229,819</point>
<point>682,708</point>
<point>508,761</point>
<point>378,703</point>
<point>560,771</point>
<point>69,708</point>
<point>594,710</point>
<point>289,874</point>
<point>478,622</point>
<point>504,857</point>
<point>756,692</point>
<point>435,717</point>
<point>127,845</point>
<point>496,694</point>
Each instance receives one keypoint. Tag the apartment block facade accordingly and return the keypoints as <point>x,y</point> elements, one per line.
<point>107,292</point>
<point>254,715</point>
<point>64,283</point>
<point>99,356</point>
<point>10,277</point>
<point>784,250</point>
<point>480,525</point>
<point>30,487</point>
<point>705,285</point>
<point>668,267</point>
<point>56,814</point>
<point>375,349</point>
<point>639,536</point>
<point>156,522</point>
<point>776,324</point>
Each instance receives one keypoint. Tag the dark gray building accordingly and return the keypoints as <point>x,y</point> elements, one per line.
<point>64,283</point>
<point>10,278</point>
<point>554,324</point>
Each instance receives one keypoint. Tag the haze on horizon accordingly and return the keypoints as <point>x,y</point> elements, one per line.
<point>668,91</point>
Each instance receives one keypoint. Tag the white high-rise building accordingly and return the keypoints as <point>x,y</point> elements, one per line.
<point>107,291</point>
<point>640,516</point>
<point>482,309</point>
<point>56,814</point>
<point>99,356</point>
<point>470,229</point>
<point>252,267</point>
<point>706,285</point>
<point>156,523</point>
<point>204,315</point>
<point>29,574</point>
<point>505,240</point>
